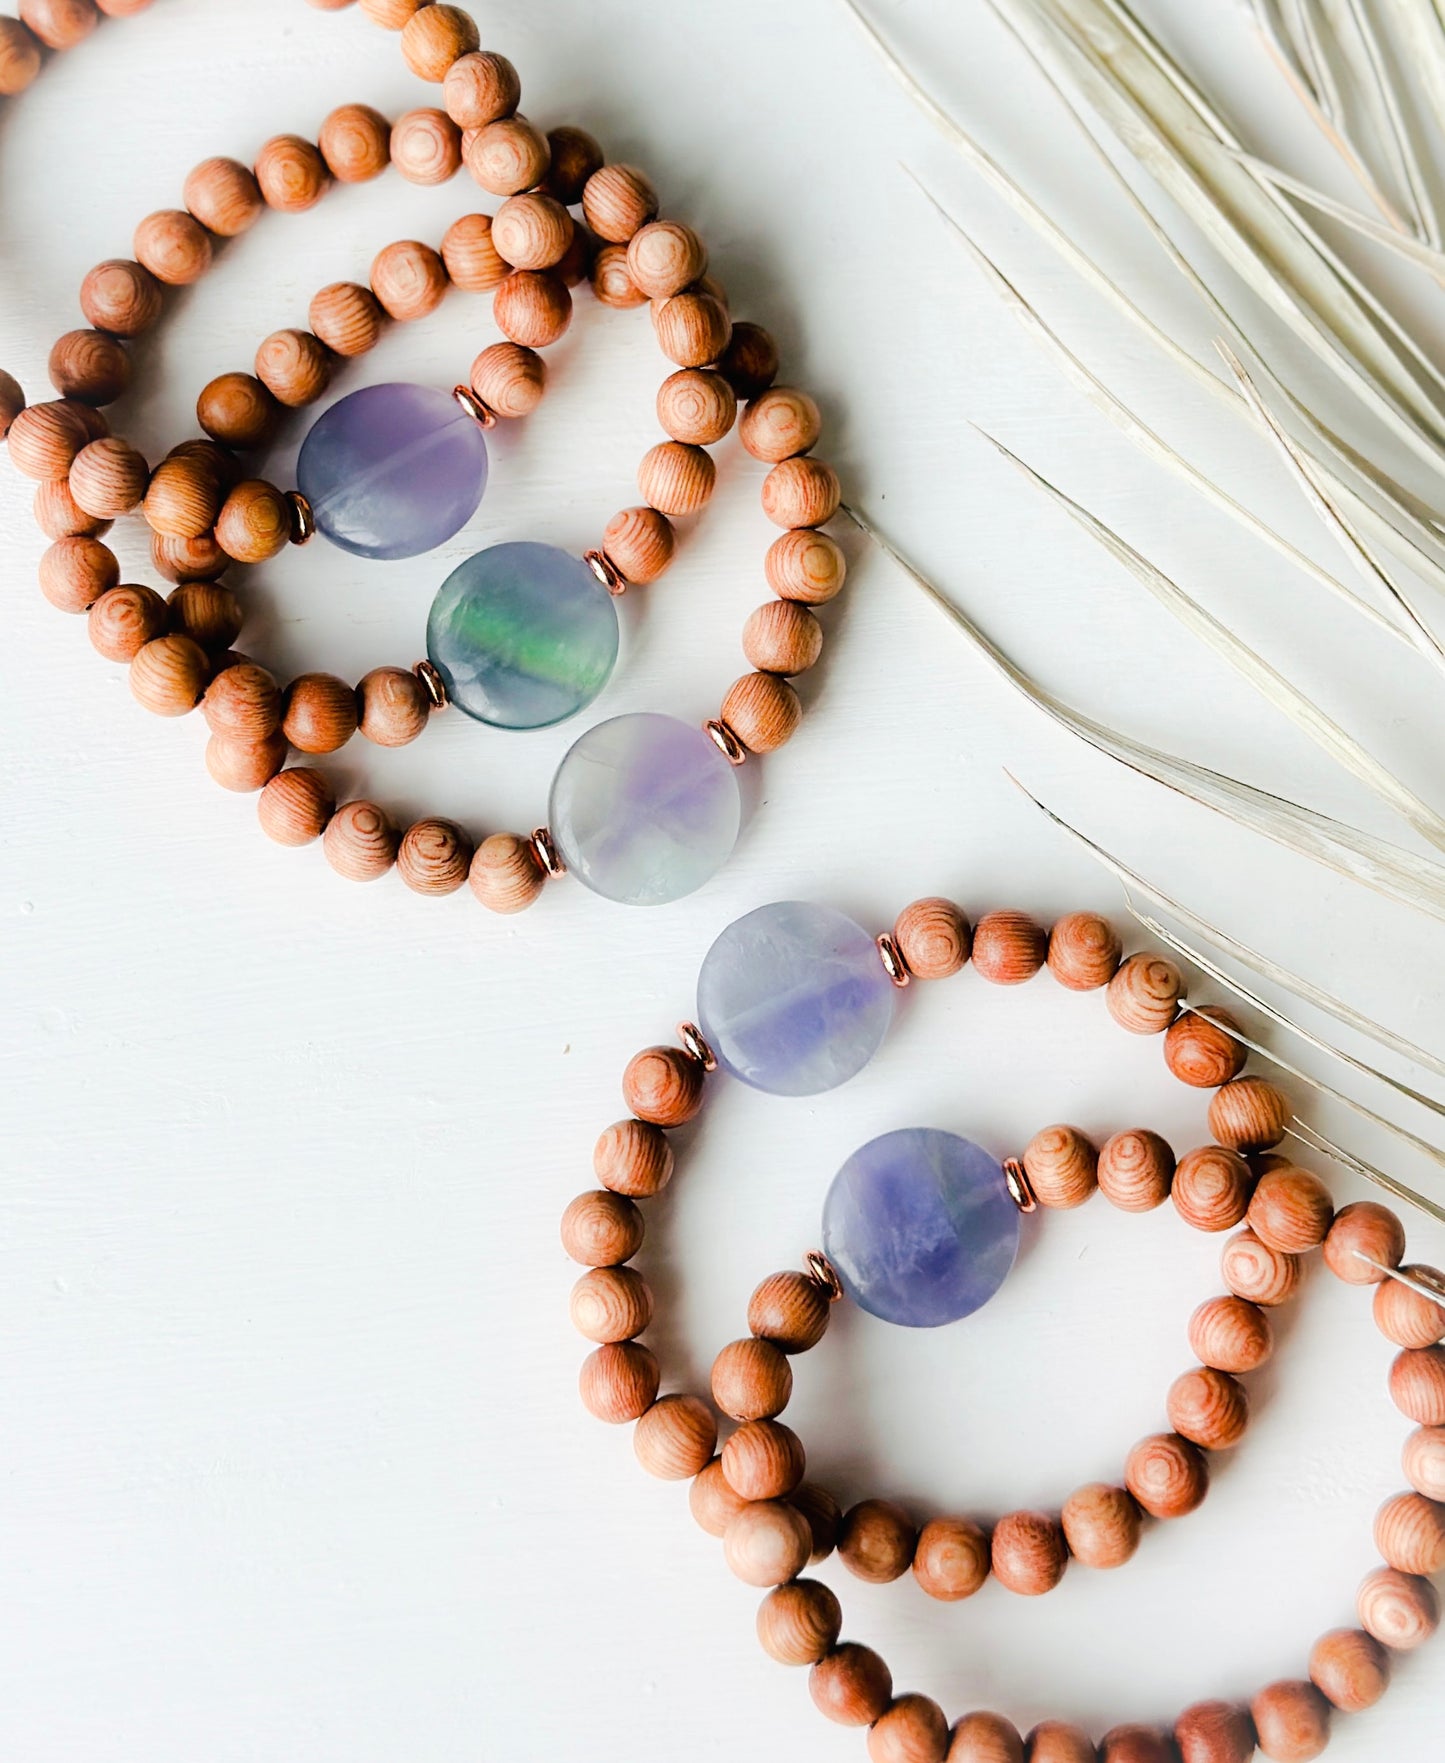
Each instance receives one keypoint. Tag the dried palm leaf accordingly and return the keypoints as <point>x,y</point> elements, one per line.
<point>1427,256</point>
<point>1322,1145</point>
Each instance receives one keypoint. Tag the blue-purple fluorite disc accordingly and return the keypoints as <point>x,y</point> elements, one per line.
<point>794,999</point>
<point>920,1227</point>
<point>393,470</point>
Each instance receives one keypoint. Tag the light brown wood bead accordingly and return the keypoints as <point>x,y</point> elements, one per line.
<point>532,308</point>
<point>121,297</point>
<point>426,147</point>
<point>360,842</point>
<point>391,15</point>
<point>983,1737</point>
<point>1054,1741</point>
<point>45,438</point>
<point>508,156</point>
<point>751,1380</point>
<point>318,713</point>
<point>1102,1525</point>
<point>1369,1230</point>
<point>19,57</point>
<point>1214,1732</point>
<point>59,516</point>
<point>532,231</point>
<point>1231,1334</point>
<point>1249,1114</point>
<point>184,498</point>
<point>1399,1610</point>
<point>1084,951</point>
<point>434,857</point>
<point>1410,1534</point>
<point>1210,1408</point>
<point>781,424</point>
<point>633,1157</point>
<point>876,1541</point>
<point>243,701</point>
<point>1424,1461</point>
<point>291,174</point>
<point>1062,1165</point>
<point>612,282</point>
<point>676,480</point>
<point>602,1229</point>
<point>750,362</point>
<point>224,196</point>
<point>613,1304</point>
<point>806,566</point>
<point>355,142</point>
<point>912,1729</point>
<point>1143,996</point>
<point>1167,1475</point>
<point>618,201</point>
<point>934,938</point>
<point>1254,1271</point>
<point>851,1685</point>
<point>295,806</point>
<point>1212,1188</point>
<point>575,156</point>
<point>208,613</point>
<point>1291,1721</point>
<point>799,1623</point>
<point>254,524</point>
<point>763,711</point>
<point>124,619</point>
<point>1029,1553</point>
<point>409,280</point>
<point>435,37</point>
<point>1417,1385</point>
<point>1136,1170</point>
<point>109,478</point>
<point>74,573</point>
<point>618,1382</point>
<point>60,24</point>
<point>1291,1210</point>
<point>782,637</point>
<point>90,367</point>
<point>1008,947</point>
<point>640,544</point>
<point>823,1514</point>
<point>692,329</point>
<point>674,1439</point>
<point>767,1543</point>
<point>711,1500</point>
<point>294,366</point>
<point>1350,1669</point>
<point>696,406</point>
<point>168,675</point>
<point>506,876</point>
<point>801,492</point>
<point>763,1460</point>
<point>347,318</point>
<point>237,410</point>
<point>174,247</point>
<point>1406,1317</point>
<point>1199,1050</point>
<point>237,762</point>
<point>480,88</point>
<point>188,560</point>
<point>664,1085</point>
<point>951,1559</point>
<point>472,261</point>
<point>789,1310</point>
<point>392,706</point>
<point>664,257</point>
<point>509,379</point>
<point>1136,1744</point>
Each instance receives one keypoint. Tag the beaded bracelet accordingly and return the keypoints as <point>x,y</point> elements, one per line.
<point>643,808</point>
<point>922,1228</point>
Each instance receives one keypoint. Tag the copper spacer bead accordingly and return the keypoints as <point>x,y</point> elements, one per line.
<point>606,571</point>
<point>726,741</point>
<point>433,684</point>
<point>1020,1188</point>
<point>696,1045</point>
<point>893,963</point>
<point>483,416</point>
<point>303,521</point>
<point>547,854</point>
<point>820,1270</point>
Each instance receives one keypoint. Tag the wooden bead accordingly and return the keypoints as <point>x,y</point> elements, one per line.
<point>782,637</point>
<point>1214,1732</point>
<point>60,24</point>
<point>1410,1534</point>
<point>19,57</point>
<point>1084,951</point>
<point>74,573</point>
<point>1136,1170</point>
<point>124,619</point>
<point>183,500</point>
<point>1008,947</point>
<point>434,857</point>
<point>347,318</point>
<point>851,1685</point>
<point>1231,1335</point>
<point>1167,1475</point>
<point>45,438</point>
<point>692,330</point>
<point>664,257</point>
<point>60,516</point>
<point>1292,1721</point>
<point>1370,1230</point>
<point>1135,1744</point>
<point>174,247</point>
<point>633,1157</point>
<point>188,560</point>
<point>1056,1742</point>
<point>711,1500</point>
<point>823,1514</point>
<point>12,402</point>
<point>208,613</point>
<point>763,1460</point>
<point>1102,1525</point>
<point>675,479</point>
<point>767,1543</point>
<point>664,1085</point>
<point>799,1623</point>
<point>1199,1051</point>
<point>674,1439</point>
<point>294,366</point>
<point>169,675</point>
<point>480,88</point>
<point>507,156</point>
<point>355,142</point>
<point>1254,1271</point>
<point>751,1380</point>
<point>1405,1317</point>
<point>318,713</point>
<point>360,842</point>
<point>506,875</point>
<point>532,308</point>
<point>237,410</point>
<point>409,279</point>
<point>254,523</point>
<point>243,700</point>
<point>1029,1553</point>
<point>391,15</point>
<point>1399,1610</point>
<point>89,366</point>
<point>933,937</point>
<point>801,492</point>
<point>763,711</point>
<point>295,806</point>
<point>224,196</point>
<point>951,1559</point>
<point>291,174</point>
<point>426,147</point>
<point>472,261</point>
<point>1062,1166</point>
<point>617,202</point>
<point>1417,1385</point>
<point>1212,1188</point>
<point>876,1541</point>
<point>807,566</point>
<point>532,231</point>
<point>575,157</point>
<point>640,544</point>
<point>1249,1114</point>
<point>237,762</point>
<point>109,477</point>
<point>435,37</point>
<point>750,362</point>
<point>509,379</point>
<point>392,706</point>
<point>1424,1461</point>
<point>780,424</point>
<point>789,1310</point>
<point>912,1729</point>
<point>1350,1669</point>
<point>612,281</point>
<point>982,1737</point>
<point>1210,1408</point>
<point>696,406</point>
<point>618,1382</point>
<point>601,1229</point>
<point>613,1304</point>
<point>1143,996</point>
<point>1291,1211</point>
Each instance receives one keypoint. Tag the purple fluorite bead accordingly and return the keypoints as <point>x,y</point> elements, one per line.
<point>920,1227</point>
<point>393,470</point>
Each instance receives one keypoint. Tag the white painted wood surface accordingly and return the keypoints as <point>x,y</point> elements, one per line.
<point>291,1462</point>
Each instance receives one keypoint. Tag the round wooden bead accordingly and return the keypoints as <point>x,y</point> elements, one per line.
<point>184,499</point>
<point>60,24</point>
<point>602,1229</point>
<point>1029,1553</point>
<point>291,174</point>
<point>805,565</point>
<point>751,1380</point>
<point>224,196</point>
<point>124,619</point>
<point>188,560</point>
<point>435,37</point>
<point>789,1310</point>
<point>933,936</point>
<point>1214,1732</point>
<point>360,842</point>
<point>639,544</point>
<point>851,1685</point>
<point>1424,1461</point>
<point>911,1730</point>
<point>1212,1188</point>
<point>1366,1230</point>
<point>664,1085</point>
<point>109,477</point>
<point>1254,1271</point>
<point>12,402</point>
<point>1292,1722</point>
<point>507,156</point>
<point>750,362</point>
<point>1143,996</point>
<point>1084,951</point>
<point>506,875</point>
<point>237,762</point>
<point>1167,1476</point>
<point>169,675</point>
<point>237,410</point>
<point>823,1514</point>
<point>780,424</point>
<point>294,366</point>
<point>1350,1669</point>
<point>696,406</point>
<point>347,318</point>
<point>509,379</point>
<point>1249,1114</point>
<point>1405,1317</point>
<point>434,857</point>
<point>1008,947</point>
<point>409,279</point>
<point>767,1543</point>
<point>295,806</point>
<point>174,247</point>
<point>692,330</point>
<point>952,1559</point>
<point>392,706</point>
<point>763,711</point>
<point>612,282</point>
<point>674,1439</point>
<point>764,1460</point>
<point>876,1541</point>
<point>711,1500</point>
<point>1062,1166</point>
<point>1056,1742</point>
<point>318,713</point>
<point>1210,1408</point>
<point>89,366</point>
<point>613,1304</point>
<point>19,57</point>
<point>480,88</point>
<point>426,147</point>
<point>799,1623</point>
<point>1399,1610</point>
<point>1199,1050</point>
<point>1135,1744</point>
<point>532,308</point>
<point>676,479</point>
<point>982,1737</point>
<point>1102,1525</point>
<point>1417,1385</point>
<point>355,142</point>
<point>45,438</point>
<point>617,201</point>
<point>391,15</point>
<point>60,516</point>
<point>74,573</point>
<point>532,231</point>
<point>1231,1335</point>
<point>1136,1170</point>
<point>633,1157</point>
<point>664,257</point>
<point>782,637</point>
<point>575,157</point>
<point>243,700</point>
<point>254,523</point>
<point>801,492</point>
<point>1410,1534</point>
<point>618,1382</point>
<point>472,261</point>
<point>1291,1210</point>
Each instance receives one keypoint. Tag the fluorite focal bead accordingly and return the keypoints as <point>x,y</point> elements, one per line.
<point>794,999</point>
<point>523,635</point>
<point>644,809</point>
<point>393,470</point>
<point>920,1227</point>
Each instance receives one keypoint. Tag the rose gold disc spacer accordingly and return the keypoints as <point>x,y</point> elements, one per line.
<point>606,571</point>
<point>303,521</point>
<point>481,414</point>
<point>820,1270</point>
<point>1019,1187</point>
<point>726,741</point>
<point>893,963</point>
<point>547,854</point>
<point>433,683</point>
<point>695,1044</point>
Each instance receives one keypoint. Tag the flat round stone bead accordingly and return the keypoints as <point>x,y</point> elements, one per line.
<point>644,809</point>
<point>393,470</point>
<point>794,999</point>
<point>920,1227</point>
<point>523,635</point>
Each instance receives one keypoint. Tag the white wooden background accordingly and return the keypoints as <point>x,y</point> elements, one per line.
<point>291,1460</point>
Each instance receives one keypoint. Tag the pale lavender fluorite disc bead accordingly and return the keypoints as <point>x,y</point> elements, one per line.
<point>393,470</point>
<point>920,1227</point>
